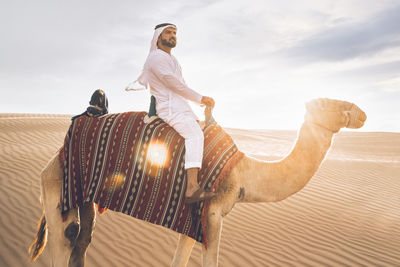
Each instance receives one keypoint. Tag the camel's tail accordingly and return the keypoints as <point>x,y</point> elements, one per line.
<point>37,246</point>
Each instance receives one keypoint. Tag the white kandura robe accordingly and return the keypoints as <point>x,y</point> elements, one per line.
<point>163,74</point>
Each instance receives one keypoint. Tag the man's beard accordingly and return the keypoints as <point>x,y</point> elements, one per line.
<point>171,43</point>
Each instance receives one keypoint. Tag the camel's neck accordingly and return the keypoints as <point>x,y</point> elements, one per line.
<point>274,181</point>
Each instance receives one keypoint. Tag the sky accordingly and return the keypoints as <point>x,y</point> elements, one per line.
<point>261,60</point>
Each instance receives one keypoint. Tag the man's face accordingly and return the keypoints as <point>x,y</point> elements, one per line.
<point>168,37</point>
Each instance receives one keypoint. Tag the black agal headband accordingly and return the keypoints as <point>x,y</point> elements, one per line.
<point>163,25</point>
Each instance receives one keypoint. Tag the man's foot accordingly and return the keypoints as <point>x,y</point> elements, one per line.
<point>199,195</point>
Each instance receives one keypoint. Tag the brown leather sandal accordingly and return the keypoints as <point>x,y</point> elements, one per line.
<point>197,196</point>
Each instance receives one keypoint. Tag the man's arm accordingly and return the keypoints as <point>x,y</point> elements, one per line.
<point>162,70</point>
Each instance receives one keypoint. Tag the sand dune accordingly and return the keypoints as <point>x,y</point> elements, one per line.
<point>348,215</point>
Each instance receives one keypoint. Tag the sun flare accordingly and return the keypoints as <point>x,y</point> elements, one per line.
<point>157,154</point>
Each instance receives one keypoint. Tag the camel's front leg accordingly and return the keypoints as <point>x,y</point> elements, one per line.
<point>214,227</point>
<point>183,251</point>
<point>87,220</point>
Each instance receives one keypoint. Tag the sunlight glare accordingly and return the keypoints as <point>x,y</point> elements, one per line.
<point>119,178</point>
<point>157,154</point>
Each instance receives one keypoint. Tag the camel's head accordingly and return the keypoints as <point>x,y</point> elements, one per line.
<point>334,114</point>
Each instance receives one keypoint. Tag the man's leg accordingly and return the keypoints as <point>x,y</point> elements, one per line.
<point>192,185</point>
<point>193,191</point>
<point>189,129</point>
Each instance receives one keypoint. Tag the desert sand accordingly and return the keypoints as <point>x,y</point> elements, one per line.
<point>347,215</point>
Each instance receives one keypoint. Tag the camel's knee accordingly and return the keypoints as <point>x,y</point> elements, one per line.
<point>72,232</point>
<point>63,233</point>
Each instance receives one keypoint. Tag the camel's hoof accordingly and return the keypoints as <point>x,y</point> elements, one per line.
<point>71,233</point>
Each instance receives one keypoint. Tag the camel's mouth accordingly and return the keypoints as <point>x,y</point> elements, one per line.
<point>357,117</point>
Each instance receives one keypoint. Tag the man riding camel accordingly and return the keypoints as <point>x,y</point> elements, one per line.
<point>163,75</point>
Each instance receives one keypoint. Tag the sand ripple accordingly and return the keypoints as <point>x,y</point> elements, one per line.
<point>348,215</point>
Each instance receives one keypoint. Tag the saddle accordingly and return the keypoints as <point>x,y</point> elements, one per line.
<point>126,165</point>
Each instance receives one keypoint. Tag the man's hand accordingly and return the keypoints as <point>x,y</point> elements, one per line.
<point>129,87</point>
<point>208,101</point>
<point>134,86</point>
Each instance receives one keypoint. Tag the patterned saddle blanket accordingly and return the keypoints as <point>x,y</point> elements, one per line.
<point>137,168</point>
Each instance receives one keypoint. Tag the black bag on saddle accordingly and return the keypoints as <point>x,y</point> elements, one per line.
<point>98,105</point>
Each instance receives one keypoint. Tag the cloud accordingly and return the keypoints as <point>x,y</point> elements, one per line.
<point>54,49</point>
<point>349,40</point>
<point>390,85</point>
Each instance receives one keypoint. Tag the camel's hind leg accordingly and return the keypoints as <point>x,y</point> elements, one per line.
<point>183,251</point>
<point>87,220</point>
<point>61,235</point>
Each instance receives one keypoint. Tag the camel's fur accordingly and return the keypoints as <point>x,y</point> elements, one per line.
<point>250,180</point>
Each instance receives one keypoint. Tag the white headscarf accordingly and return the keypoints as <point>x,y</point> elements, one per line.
<point>142,80</point>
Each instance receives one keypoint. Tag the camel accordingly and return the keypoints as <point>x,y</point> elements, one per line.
<point>249,181</point>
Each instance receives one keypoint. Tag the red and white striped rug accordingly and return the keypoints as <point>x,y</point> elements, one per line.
<point>126,165</point>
